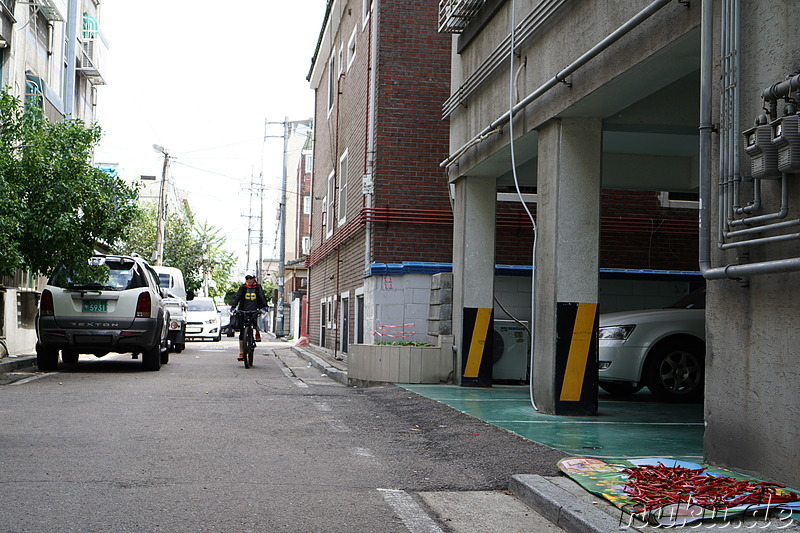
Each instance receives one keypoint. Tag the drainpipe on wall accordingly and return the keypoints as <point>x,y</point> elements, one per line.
<point>72,44</point>
<point>369,156</point>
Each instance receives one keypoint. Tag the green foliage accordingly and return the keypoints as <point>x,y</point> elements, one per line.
<point>192,248</point>
<point>55,207</point>
<point>214,259</point>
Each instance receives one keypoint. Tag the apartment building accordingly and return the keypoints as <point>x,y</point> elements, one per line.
<point>599,106</point>
<point>50,55</point>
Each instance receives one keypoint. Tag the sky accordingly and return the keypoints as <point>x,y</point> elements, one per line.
<point>202,79</point>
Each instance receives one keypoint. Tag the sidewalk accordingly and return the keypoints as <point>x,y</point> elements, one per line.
<point>10,363</point>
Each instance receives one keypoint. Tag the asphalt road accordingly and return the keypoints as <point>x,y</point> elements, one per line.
<point>207,445</point>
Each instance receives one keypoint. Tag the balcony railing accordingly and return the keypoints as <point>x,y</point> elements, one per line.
<point>9,5</point>
<point>455,15</point>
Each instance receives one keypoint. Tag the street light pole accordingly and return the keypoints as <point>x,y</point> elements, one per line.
<point>162,207</point>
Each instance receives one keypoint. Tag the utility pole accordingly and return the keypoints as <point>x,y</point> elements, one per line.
<point>261,230</point>
<point>282,232</point>
<point>162,207</point>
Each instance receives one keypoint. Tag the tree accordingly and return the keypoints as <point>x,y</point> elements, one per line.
<point>55,206</point>
<point>192,248</point>
<point>181,249</point>
<point>216,262</point>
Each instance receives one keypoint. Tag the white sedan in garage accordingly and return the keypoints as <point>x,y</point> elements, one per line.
<point>663,349</point>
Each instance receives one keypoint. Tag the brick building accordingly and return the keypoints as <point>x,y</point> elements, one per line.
<point>380,73</point>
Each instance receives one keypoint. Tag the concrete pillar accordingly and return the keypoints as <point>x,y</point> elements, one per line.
<point>567,254</point>
<point>473,253</point>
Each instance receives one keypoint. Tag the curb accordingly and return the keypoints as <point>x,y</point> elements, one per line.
<point>319,363</point>
<point>560,506</point>
<point>11,362</point>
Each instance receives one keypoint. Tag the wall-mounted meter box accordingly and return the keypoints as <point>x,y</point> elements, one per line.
<point>763,154</point>
<point>786,138</point>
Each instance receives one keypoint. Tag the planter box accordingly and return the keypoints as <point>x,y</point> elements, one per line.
<point>400,364</point>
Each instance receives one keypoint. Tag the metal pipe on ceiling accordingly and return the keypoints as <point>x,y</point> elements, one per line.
<point>560,77</point>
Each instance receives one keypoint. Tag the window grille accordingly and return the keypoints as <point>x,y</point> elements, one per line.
<point>455,15</point>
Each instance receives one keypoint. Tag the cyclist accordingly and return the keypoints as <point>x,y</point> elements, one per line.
<point>249,297</point>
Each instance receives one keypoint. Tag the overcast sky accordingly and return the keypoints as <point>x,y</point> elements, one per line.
<point>201,79</point>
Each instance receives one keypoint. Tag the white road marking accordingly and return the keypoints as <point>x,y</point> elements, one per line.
<point>413,516</point>
<point>33,378</point>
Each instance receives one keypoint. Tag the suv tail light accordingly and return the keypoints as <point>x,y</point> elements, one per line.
<point>143,305</point>
<point>46,304</point>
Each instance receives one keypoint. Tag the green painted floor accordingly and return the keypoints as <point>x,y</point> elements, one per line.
<point>635,427</point>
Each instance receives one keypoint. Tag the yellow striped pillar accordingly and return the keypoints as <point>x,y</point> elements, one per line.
<point>478,343</point>
<point>576,359</point>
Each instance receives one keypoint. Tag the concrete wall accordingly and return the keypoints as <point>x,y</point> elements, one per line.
<point>753,375</point>
<point>19,328</point>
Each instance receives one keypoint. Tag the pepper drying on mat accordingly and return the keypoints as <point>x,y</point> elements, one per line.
<point>655,486</point>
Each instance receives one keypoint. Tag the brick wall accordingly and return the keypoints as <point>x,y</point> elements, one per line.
<point>636,233</point>
<point>411,140</point>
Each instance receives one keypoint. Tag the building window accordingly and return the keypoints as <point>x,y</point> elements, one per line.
<point>306,245</point>
<point>341,201</point>
<point>351,49</point>
<point>365,10</point>
<point>309,163</point>
<point>331,200</point>
<point>331,82</point>
<point>685,200</point>
<point>360,319</point>
<point>34,91</point>
<point>306,205</point>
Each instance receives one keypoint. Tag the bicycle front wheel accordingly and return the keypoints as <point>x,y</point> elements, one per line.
<point>249,346</point>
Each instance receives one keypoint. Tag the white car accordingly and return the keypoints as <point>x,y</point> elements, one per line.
<point>171,281</point>
<point>663,349</point>
<point>203,320</point>
<point>120,309</point>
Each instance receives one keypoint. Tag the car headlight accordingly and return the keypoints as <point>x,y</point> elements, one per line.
<point>616,333</point>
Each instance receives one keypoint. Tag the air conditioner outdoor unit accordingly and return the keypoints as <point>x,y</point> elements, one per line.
<point>511,351</point>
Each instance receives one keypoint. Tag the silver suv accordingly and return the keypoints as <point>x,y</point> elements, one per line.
<point>120,309</point>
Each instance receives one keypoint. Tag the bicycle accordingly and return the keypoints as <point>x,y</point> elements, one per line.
<point>247,335</point>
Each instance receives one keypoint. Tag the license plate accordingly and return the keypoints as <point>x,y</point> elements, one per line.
<point>193,330</point>
<point>95,306</point>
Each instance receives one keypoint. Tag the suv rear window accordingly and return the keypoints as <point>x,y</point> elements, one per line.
<point>112,275</point>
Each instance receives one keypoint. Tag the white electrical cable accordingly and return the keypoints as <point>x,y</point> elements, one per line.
<point>511,99</point>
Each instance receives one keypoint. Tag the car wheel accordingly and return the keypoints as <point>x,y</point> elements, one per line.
<point>179,347</point>
<point>675,371</point>
<point>230,333</point>
<point>46,358</point>
<point>69,357</point>
<point>151,359</point>
<point>218,338</point>
<point>621,389</point>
